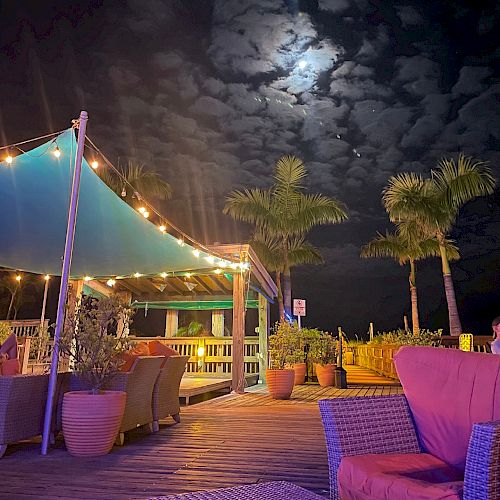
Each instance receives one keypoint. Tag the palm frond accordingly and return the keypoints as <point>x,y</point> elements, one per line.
<point>250,205</point>
<point>388,245</point>
<point>302,252</point>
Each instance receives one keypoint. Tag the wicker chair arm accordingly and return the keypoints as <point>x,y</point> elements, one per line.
<point>482,468</point>
<point>366,425</point>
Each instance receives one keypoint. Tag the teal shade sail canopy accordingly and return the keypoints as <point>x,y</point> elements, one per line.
<point>195,305</point>
<point>112,239</point>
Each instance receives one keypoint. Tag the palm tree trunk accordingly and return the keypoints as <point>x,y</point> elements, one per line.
<point>280,296</point>
<point>414,300</point>
<point>449,289</point>
<point>12,297</point>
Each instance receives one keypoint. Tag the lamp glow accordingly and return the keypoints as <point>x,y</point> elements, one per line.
<point>87,278</point>
<point>234,265</point>
<point>137,275</point>
<point>141,210</point>
<point>201,351</point>
<point>210,259</point>
<point>196,253</point>
<point>111,282</point>
<point>164,275</point>
<point>57,152</point>
<point>162,228</point>
<point>46,277</point>
<point>18,278</point>
<point>145,214</point>
<point>94,164</point>
<point>8,159</point>
<point>218,271</point>
<point>188,275</point>
<point>180,242</point>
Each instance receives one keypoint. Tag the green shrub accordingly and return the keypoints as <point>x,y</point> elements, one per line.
<point>403,337</point>
<point>5,331</point>
<point>285,346</point>
<point>323,349</point>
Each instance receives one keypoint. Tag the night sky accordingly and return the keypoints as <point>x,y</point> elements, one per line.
<point>210,94</point>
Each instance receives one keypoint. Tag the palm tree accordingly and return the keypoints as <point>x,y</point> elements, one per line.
<point>270,252</point>
<point>284,212</point>
<point>433,204</point>
<point>146,183</point>
<point>406,250</point>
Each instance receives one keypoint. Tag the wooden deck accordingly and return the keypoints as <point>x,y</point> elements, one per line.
<point>219,443</point>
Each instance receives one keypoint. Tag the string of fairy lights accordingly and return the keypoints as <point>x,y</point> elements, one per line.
<point>221,263</point>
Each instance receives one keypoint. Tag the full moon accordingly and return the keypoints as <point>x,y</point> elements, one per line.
<point>302,64</point>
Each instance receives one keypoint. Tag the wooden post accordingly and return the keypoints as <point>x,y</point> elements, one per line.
<point>218,323</point>
<point>238,366</point>
<point>405,320</point>
<point>172,322</point>
<point>264,319</point>
<point>371,331</point>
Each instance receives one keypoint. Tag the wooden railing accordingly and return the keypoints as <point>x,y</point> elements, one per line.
<point>379,358</point>
<point>215,353</point>
<point>26,327</point>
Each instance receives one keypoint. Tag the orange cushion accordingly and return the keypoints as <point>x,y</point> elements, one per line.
<point>156,348</point>
<point>10,367</point>
<point>129,357</point>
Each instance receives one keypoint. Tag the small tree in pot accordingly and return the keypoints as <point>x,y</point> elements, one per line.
<point>323,353</point>
<point>91,418</point>
<point>284,351</point>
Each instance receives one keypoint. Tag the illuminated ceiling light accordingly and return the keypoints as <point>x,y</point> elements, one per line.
<point>87,278</point>
<point>145,214</point>
<point>218,271</point>
<point>137,275</point>
<point>141,210</point>
<point>57,152</point>
<point>188,275</point>
<point>94,164</point>
<point>162,228</point>
<point>111,282</point>
<point>302,64</point>
<point>46,277</point>
<point>18,277</point>
<point>180,242</point>
<point>210,259</point>
<point>8,159</point>
<point>196,252</point>
<point>164,275</point>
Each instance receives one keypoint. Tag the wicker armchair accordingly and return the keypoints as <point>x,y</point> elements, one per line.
<point>379,447</point>
<point>166,390</point>
<point>138,383</point>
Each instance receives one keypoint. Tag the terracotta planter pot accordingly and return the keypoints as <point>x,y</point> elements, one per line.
<point>280,383</point>
<point>325,374</point>
<point>300,373</point>
<point>91,421</point>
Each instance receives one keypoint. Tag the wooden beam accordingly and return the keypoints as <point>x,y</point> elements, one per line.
<point>176,288</point>
<point>264,320</point>
<point>171,323</point>
<point>203,284</point>
<point>220,285</point>
<point>238,369</point>
<point>100,287</point>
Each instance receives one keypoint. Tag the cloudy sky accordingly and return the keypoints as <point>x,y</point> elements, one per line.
<point>211,93</point>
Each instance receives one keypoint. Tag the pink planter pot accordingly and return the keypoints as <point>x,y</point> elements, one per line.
<point>280,383</point>
<point>91,422</point>
<point>325,374</point>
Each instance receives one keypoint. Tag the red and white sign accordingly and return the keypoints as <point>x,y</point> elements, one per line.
<point>299,307</point>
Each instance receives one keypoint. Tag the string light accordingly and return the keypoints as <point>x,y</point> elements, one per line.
<point>180,242</point>
<point>57,152</point>
<point>8,159</point>
<point>222,263</point>
<point>141,210</point>
<point>210,259</point>
<point>196,252</point>
<point>18,277</point>
<point>164,275</point>
<point>111,282</point>
<point>87,278</point>
<point>94,164</point>
<point>188,275</point>
<point>137,275</point>
<point>46,277</point>
<point>218,271</point>
<point>233,265</point>
<point>162,228</point>
<point>145,214</point>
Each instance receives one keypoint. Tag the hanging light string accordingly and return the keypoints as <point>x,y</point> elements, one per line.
<point>164,221</point>
<point>16,144</point>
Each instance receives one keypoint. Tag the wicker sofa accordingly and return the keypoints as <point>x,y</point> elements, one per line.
<point>166,390</point>
<point>441,439</point>
<point>138,383</point>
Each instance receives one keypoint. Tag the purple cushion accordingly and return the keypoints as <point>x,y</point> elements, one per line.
<point>390,477</point>
<point>449,390</point>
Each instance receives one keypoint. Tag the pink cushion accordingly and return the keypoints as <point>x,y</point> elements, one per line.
<point>449,390</point>
<point>156,348</point>
<point>10,367</point>
<point>390,477</point>
<point>9,347</point>
<point>128,358</point>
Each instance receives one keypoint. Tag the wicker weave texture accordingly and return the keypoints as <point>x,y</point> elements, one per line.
<point>364,425</point>
<point>275,490</point>
<point>166,389</point>
<point>482,468</point>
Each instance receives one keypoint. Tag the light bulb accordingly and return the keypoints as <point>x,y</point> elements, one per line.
<point>94,164</point>
<point>137,275</point>
<point>87,278</point>
<point>188,275</point>
<point>46,277</point>
<point>210,259</point>
<point>180,242</point>
<point>218,271</point>
<point>145,214</point>
<point>18,278</point>
<point>164,275</point>
<point>141,210</point>
<point>201,351</point>
<point>8,159</point>
<point>57,152</point>
<point>196,252</point>
<point>111,282</point>
<point>222,263</point>
<point>162,228</point>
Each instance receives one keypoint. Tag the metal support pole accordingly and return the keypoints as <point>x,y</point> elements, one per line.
<point>63,291</point>
<point>44,303</point>
<point>340,373</point>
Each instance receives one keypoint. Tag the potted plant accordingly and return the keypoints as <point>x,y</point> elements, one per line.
<point>282,353</point>
<point>323,353</point>
<point>91,418</point>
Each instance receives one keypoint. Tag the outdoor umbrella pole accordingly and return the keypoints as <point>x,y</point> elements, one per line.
<point>63,292</point>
